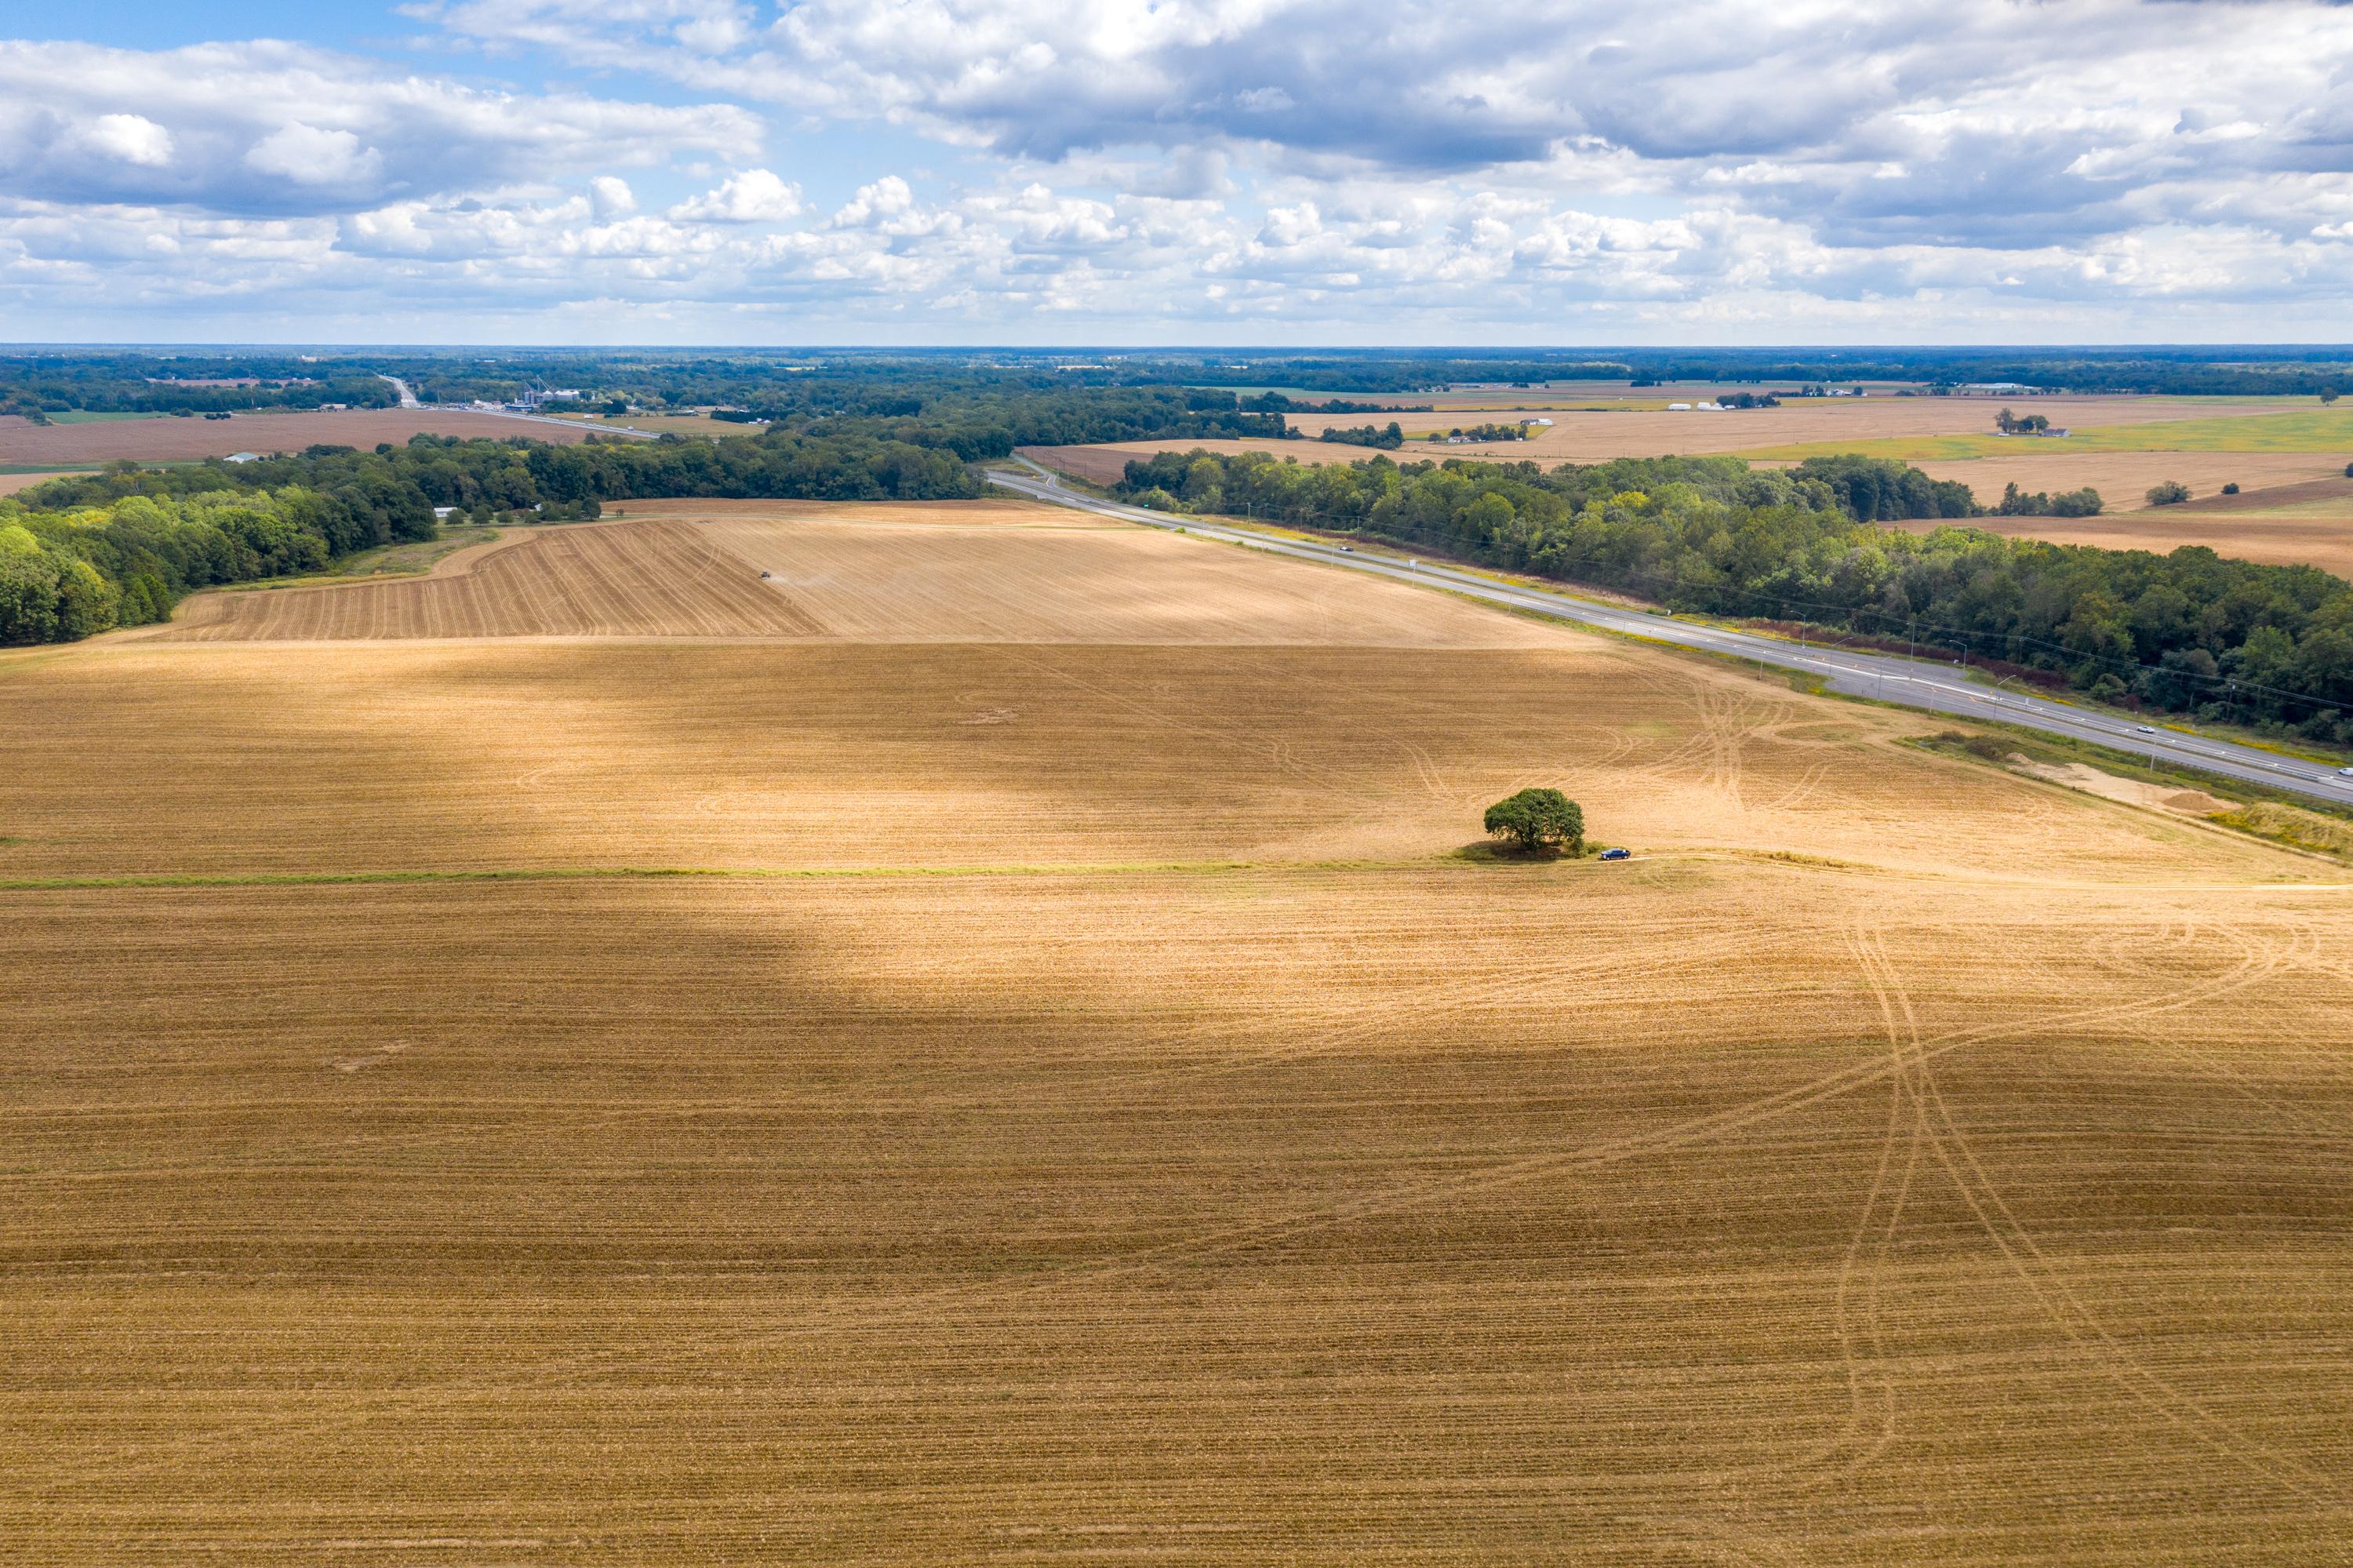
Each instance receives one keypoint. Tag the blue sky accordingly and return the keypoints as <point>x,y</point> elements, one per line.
<point>1278,172</point>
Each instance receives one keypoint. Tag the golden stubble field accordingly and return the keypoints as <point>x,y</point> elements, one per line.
<point>2123,479</point>
<point>1584,435</point>
<point>950,572</point>
<point>1093,1116</point>
<point>2312,535</point>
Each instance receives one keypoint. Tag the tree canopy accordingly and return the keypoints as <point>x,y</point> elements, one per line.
<point>1539,820</point>
<point>80,555</point>
<point>2189,631</point>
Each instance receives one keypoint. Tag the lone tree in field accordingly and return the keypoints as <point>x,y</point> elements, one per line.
<point>1539,820</point>
<point>2172,492</point>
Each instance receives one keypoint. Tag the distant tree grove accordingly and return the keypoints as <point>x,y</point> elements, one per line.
<point>81,555</point>
<point>2190,630</point>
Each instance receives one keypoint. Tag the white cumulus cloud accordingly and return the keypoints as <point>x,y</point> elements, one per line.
<point>756,195</point>
<point>1125,168</point>
<point>612,196</point>
<point>312,156</point>
<point>133,138</point>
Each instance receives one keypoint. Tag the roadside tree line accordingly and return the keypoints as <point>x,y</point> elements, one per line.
<point>2185,631</point>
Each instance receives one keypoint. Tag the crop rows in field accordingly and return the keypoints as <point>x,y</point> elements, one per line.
<point>1324,1216</point>
<point>482,755</point>
<point>1056,581</point>
<point>1078,1106</point>
<point>623,579</point>
<point>962,577</point>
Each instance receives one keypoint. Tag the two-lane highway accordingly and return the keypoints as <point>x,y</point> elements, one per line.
<point>1906,680</point>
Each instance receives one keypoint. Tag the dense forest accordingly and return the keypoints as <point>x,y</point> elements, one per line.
<point>80,555</point>
<point>2185,631</point>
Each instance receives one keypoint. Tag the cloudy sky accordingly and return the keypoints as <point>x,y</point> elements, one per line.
<point>1269,171</point>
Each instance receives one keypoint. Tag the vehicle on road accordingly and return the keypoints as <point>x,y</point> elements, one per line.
<point>2144,729</point>
<point>2347,772</point>
<point>1617,854</point>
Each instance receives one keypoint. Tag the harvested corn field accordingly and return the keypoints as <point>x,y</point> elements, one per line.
<point>910,574</point>
<point>621,579</point>
<point>855,1098</point>
<point>219,760</point>
<point>1058,580</point>
<point>1327,1215</point>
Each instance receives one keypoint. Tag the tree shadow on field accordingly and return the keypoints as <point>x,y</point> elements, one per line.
<point>1487,852</point>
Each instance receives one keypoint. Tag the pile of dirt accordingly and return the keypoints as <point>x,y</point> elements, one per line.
<point>2131,791</point>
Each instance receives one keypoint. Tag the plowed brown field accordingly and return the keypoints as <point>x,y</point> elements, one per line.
<point>159,440</point>
<point>12,483</point>
<point>1081,1111</point>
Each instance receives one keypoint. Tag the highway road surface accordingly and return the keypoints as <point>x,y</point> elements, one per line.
<point>629,432</point>
<point>408,397</point>
<point>1911,682</point>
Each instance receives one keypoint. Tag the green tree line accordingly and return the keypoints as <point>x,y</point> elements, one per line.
<point>2185,631</point>
<point>992,388</point>
<point>1389,437</point>
<point>84,553</point>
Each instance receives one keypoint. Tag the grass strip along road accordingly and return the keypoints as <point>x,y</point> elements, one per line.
<point>1883,677</point>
